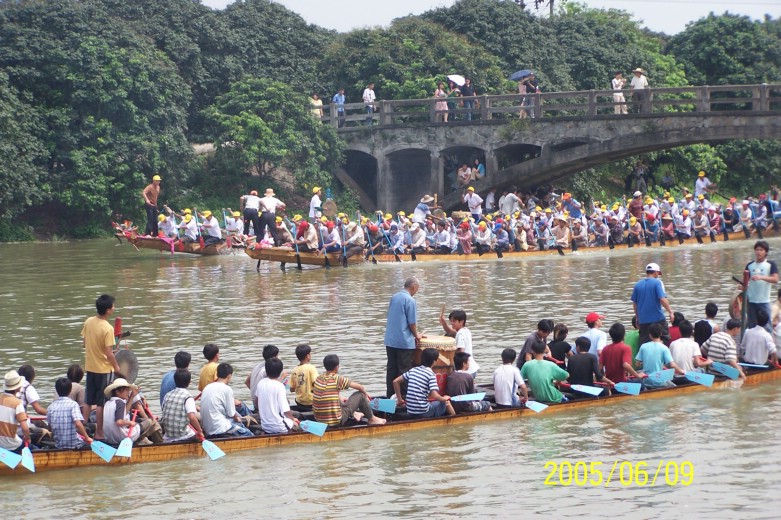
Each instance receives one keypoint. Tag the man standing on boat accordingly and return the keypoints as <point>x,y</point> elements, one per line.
<point>269,205</point>
<point>150,194</point>
<point>649,300</point>
<point>763,274</point>
<point>401,333</point>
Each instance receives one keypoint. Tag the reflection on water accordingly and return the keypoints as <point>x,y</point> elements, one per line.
<point>487,469</point>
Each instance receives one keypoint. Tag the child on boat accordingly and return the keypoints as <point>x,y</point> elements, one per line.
<point>507,382</point>
<point>462,382</point>
<point>303,378</point>
<point>655,356</point>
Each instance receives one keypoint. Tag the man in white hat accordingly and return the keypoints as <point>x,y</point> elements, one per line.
<point>649,300</point>
<point>639,86</point>
<point>269,205</point>
<point>355,239</point>
<point>117,422</point>
<point>422,210</point>
<point>12,414</point>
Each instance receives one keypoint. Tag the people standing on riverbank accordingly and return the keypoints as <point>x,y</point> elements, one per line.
<point>648,300</point>
<point>401,333</point>
<point>763,274</point>
<point>150,195</point>
<point>100,363</point>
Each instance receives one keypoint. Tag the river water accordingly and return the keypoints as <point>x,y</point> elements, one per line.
<point>492,469</point>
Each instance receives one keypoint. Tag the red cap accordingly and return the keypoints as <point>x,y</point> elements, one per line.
<point>330,224</point>
<point>373,228</point>
<point>593,316</point>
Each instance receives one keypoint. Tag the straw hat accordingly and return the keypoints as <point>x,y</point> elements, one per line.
<point>13,381</point>
<point>269,192</point>
<point>426,199</point>
<point>118,383</point>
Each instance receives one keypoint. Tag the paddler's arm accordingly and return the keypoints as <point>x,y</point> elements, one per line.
<point>21,418</point>
<point>82,431</point>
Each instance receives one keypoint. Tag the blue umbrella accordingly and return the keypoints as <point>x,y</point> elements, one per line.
<point>520,74</point>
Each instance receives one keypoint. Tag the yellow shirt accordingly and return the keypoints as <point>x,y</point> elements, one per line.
<point>208,375</point>
<point>301,380</point>
<point>98,334</point>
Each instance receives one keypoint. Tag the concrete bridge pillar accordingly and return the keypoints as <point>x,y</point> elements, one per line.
<point>437,179</point>
<point>385,188</point>
<point>491,162</point>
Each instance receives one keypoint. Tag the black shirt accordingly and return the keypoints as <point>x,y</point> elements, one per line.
<point>583,369</point>
<point>559,349</point>
<point>467,90</point>
<point>533,339</point>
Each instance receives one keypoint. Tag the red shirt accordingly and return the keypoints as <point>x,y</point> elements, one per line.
<point>675,333</point>
<point>613,357</point>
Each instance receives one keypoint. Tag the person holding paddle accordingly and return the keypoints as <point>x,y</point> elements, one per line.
<point>180,417</point>
<point>116,417</point>
<point>65,418</point>
<point>654,356</point>
<point>721,347</point>
<point>12,415</point>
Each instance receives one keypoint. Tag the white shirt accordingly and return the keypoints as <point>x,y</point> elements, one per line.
<point>617,83</point>
<point>272,404</point>
<point>190,230</point>
<point>474,202</point>
<point>598,341</point>
<point>507,380</point>
<point>251,202</point>
<point>314,203</point>
<point>683,350</point>
<point>235,225</point>
<point>464,341</point>
<point>113,433</point>
<point>639,82</point>
<point>701,185</point>
<point>258,373</point>
<point>167,227</point>
<point>212,227</point>
<point>510,203</point>
<point>490,201</point>
<point>757,345</point>
<point>368,96</point>
<point>217,408</point>
<point>270,204</point>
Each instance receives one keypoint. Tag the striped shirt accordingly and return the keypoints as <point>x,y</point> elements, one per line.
<point>421,381</point>
<point>10,408</point>
<point>721,347</point>
<point>325,398</point>
<point>60,415</point>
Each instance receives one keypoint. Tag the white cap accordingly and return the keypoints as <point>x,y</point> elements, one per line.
<point>638,194</point>
<point>744,202</point>
<point>653,268</point>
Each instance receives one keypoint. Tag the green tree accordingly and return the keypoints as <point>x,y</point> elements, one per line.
<point>268,125</point>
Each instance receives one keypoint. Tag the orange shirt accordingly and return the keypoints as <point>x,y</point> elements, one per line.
<point>151,192</point>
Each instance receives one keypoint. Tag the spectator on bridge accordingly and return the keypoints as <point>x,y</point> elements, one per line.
<point>452,92</point>
<point>639,89</point>
<point>468,90</point>
<point>317,106</point>
<point>441,106</point>
<point>532,87</point>
<point>368,100</point>
<point>522,91</point>
<point>338,100</point>
<point>619,82</point>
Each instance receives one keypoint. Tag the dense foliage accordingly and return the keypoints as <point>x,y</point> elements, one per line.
<point>96,96</point>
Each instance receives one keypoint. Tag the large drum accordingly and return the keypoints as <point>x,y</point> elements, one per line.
<point>447,349</point>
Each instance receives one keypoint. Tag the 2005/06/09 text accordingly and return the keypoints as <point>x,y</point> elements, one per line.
<point>623,473</point>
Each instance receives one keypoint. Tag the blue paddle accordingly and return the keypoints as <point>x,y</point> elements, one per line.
<point>383,405</point>
<point>314,427</point>
<point>662,376</point>
<point>751,365</point>
<point>726,370</point>
<point>700,378</point>
<point>535,406</point>
<point>27,458</point>
<point>211,449</point>
<point>9,458</point>
<point>102,450</point>
<point>628,388</point>
<point>591,390</point>
<point>468,397</point>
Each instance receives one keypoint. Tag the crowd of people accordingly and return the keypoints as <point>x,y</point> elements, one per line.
<point>111,408</point>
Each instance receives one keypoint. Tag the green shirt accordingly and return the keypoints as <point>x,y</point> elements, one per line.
<point>541,375</point>
<point>632,339</point>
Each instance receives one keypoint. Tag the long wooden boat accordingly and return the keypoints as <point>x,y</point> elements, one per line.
<point>61,459</point>
<point>169,245</point>
<point>285,255</point>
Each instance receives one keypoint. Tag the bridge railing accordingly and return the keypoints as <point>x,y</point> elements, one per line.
<point>584,103</point>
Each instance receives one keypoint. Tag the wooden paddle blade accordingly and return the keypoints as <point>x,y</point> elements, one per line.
<point>383,405</point>
<point>628,388</point>
<point>9,458</point>
<point>591,390</point>
<point>212,450</point>
<point>535,406</point>
<point>700,378</point>
<point>125,448</point>
<point>27,459</point>
<point>468,397</point>
<point>314,427</point>
<point>103,450</point>
<point>726,370</point>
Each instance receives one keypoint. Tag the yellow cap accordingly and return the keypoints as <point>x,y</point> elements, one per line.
<point>188,218</point>
<point>296,218</point>
<point>388,216</point>
<point>632,220</point>
<point>671,200</point>
<point>701,174</point>
<point>323,219</point>
<point>207,213</point>
<point>470,189</point>
<point>700,196</point>
<point>278,220</point>
<point>364,220</point>
<point>236,214</point>
<point>157,178</point>
<point>341,215</point>
<point>188,211</point>
<point>688,195</point>
<point>538,208</point>
<point>666,194</point>
<point>685,212</point>
<point>345,220</point>
<point>488,217</point>
<point>401,213</point>
<point>161,218</point>
<point>316,189</point>
<point>482,225</point>
<point>547,210</point>
<point>517,214</point>
<point>649,200</point>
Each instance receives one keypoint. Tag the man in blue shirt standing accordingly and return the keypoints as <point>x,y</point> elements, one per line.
<point>648,299</point>
<point>338,100</point>
<point>401,333</point>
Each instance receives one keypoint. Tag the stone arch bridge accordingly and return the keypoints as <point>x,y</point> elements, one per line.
<point>408,151</point>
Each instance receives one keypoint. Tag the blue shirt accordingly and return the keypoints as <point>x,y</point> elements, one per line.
<point>654,355</point>
<point>166,385</point>
<point>402,312</point>
<point>339,101</point>
<point>646,296</point>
